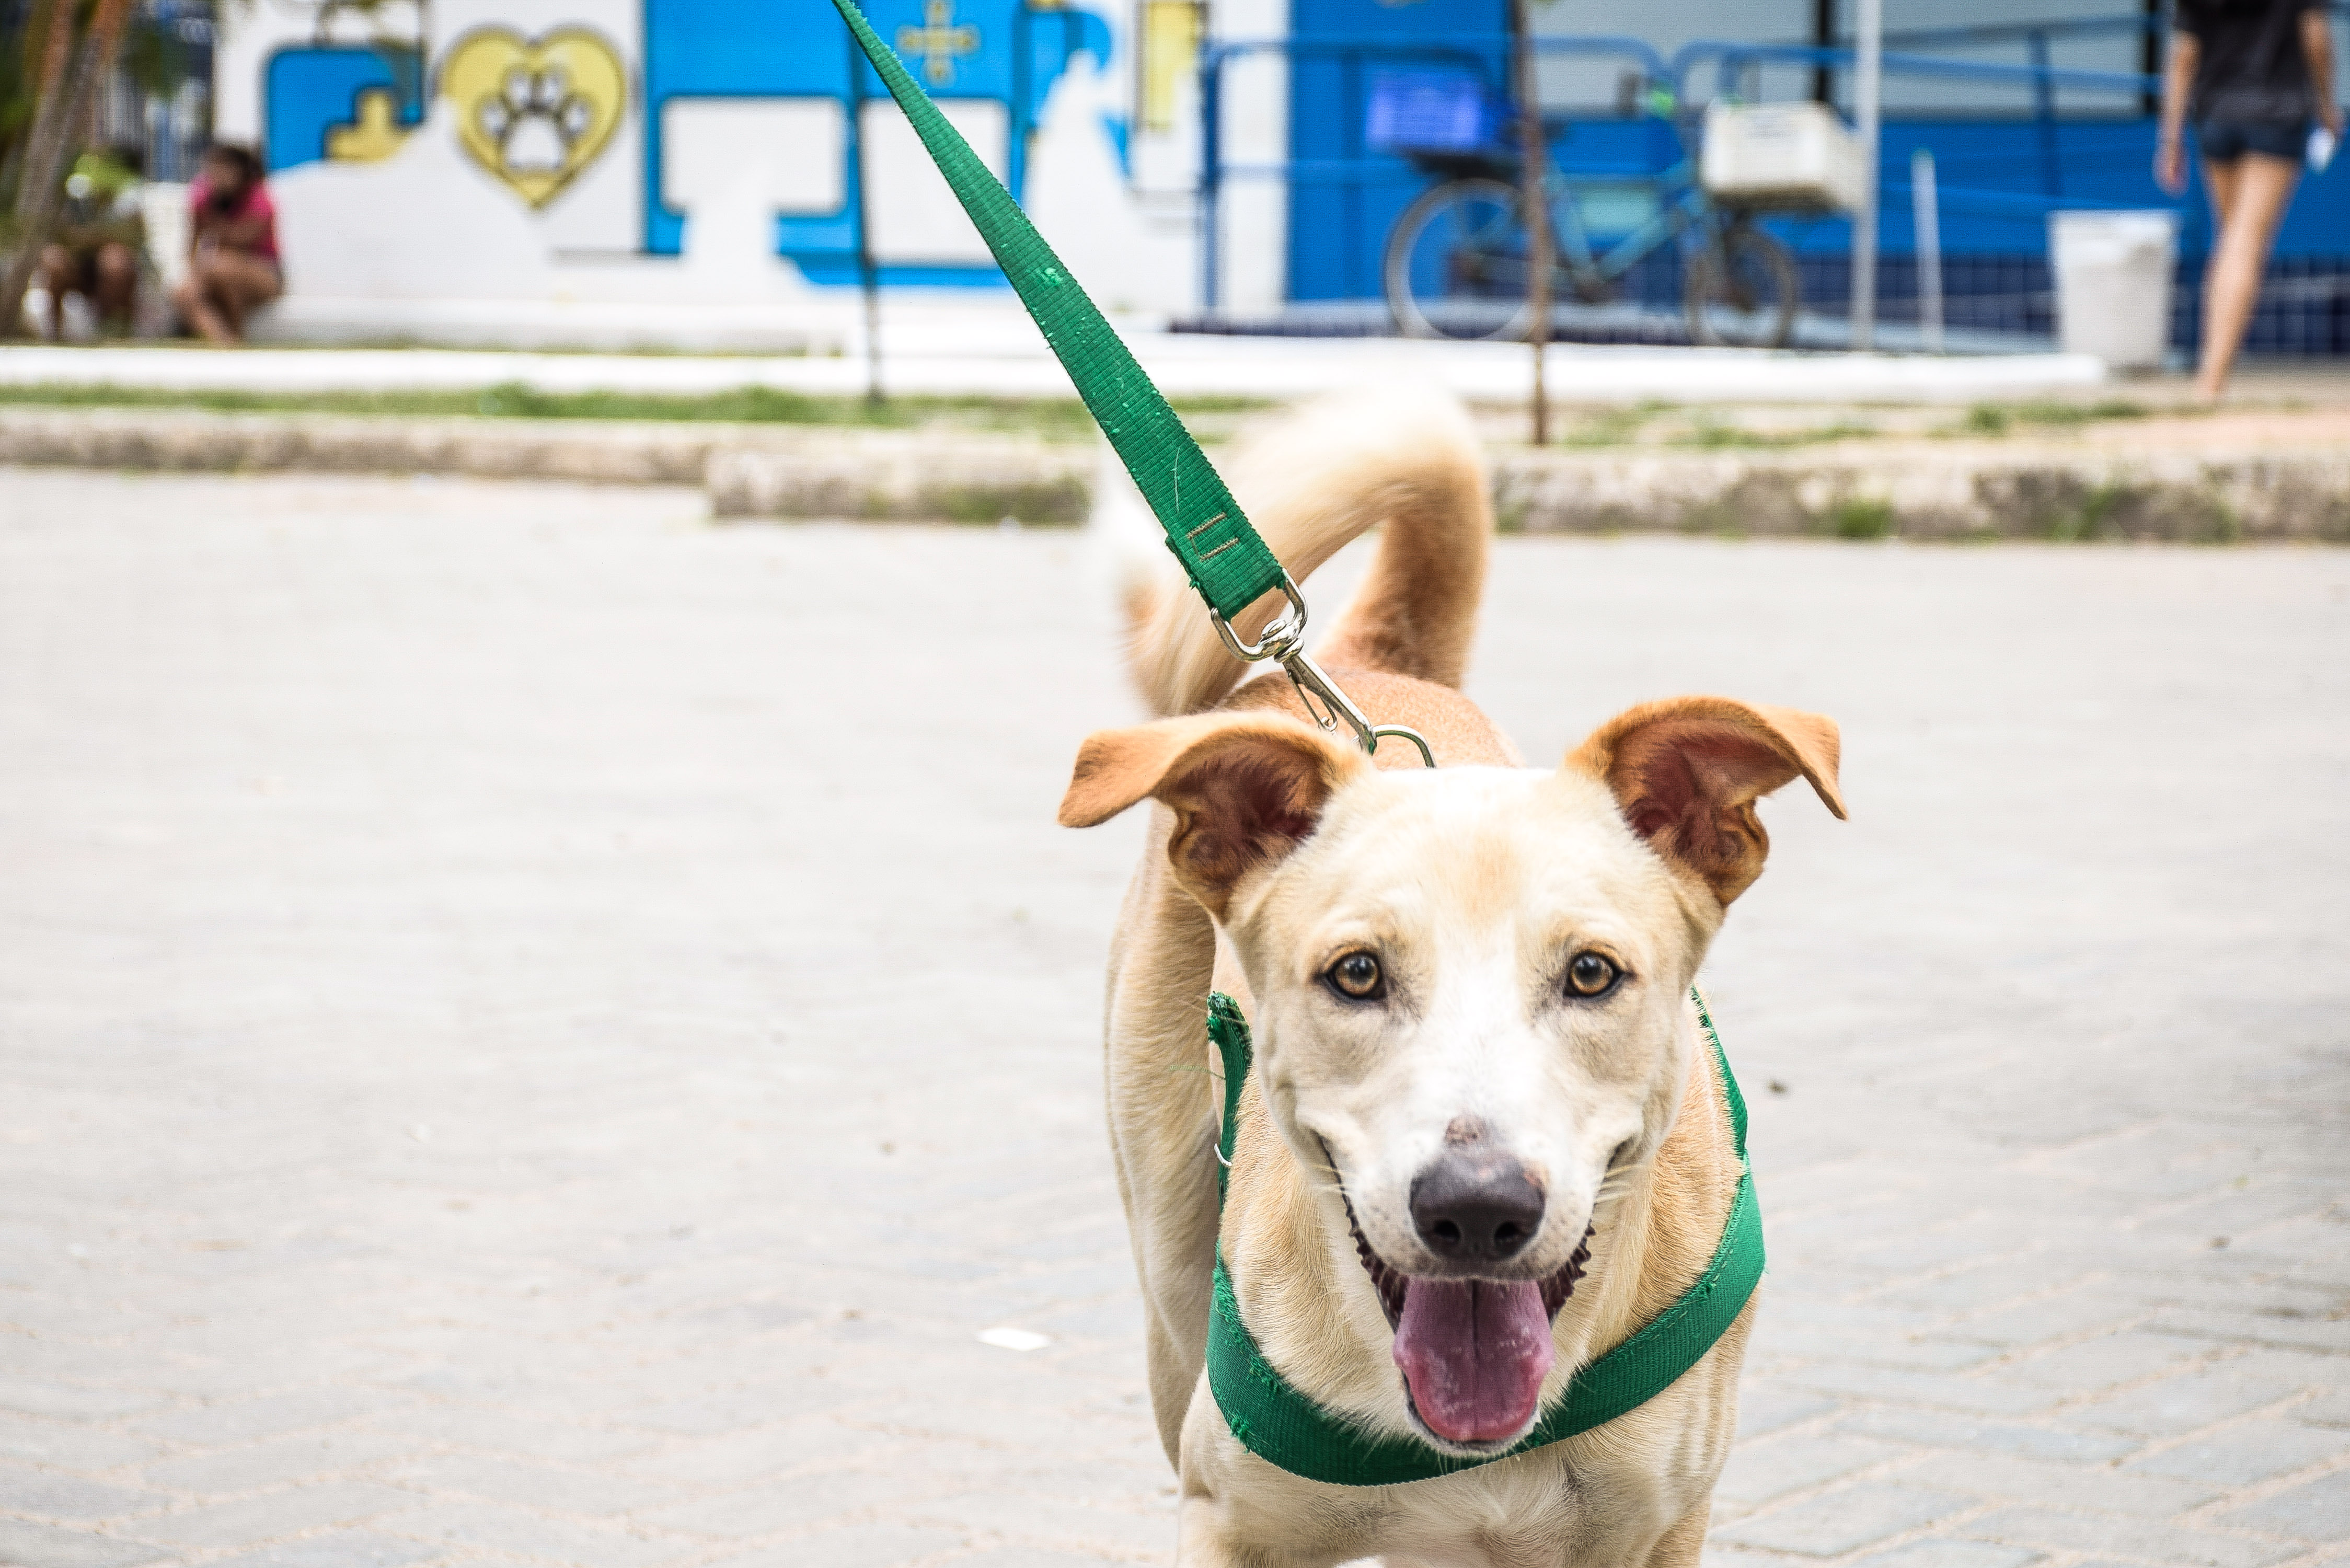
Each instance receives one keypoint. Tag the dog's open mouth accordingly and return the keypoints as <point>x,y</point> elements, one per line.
<point>1473,1353</point>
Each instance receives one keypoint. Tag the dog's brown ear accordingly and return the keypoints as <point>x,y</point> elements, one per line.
<point>1247,788</point>
<point>1687,773</point>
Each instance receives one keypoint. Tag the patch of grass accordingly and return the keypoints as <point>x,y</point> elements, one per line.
<point>1055,418</point>
<point>1997,419</point>
<point>1710,435</point>
<point>1611,427</point>
<point>1858,517</point>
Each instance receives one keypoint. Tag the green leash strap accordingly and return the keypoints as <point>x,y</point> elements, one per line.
<point>1229,565</point>
<point>1279,1424</point>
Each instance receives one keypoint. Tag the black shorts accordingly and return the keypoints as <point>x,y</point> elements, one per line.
<point>2224,141</point>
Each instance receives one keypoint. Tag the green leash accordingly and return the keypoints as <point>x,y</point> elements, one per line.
<point>1228,563</point>
<point>1277,1423</point>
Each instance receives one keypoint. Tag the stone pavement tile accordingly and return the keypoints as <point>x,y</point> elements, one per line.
<point>737,1410</point>
<point>72,1446</point>
<point>2314,1511</point>
<point>1980,1396</point>
<point>478,1526</point>
<point>65,1402</point>
<point>2259,1328</point>
<point>548,1488</point>
<point>275,1462</point>
<point>48,1495</point>
<point>24,1545</point>
<point>495,1431</point>
<point>2088,1366</point>
<point>1766,1405</point>
<point>1032,1557</point>
<point>2141,1539</point>
<point>1848,1519</point>
<point>2180,1405</point>
<point>799,1505</point>
<point>271,1514</point>
<point>2248,1452</point>
<point>851,1546</point>
<point>745,1456</point>
<point>1020,1427</point>
<point>2328,1409</point>
<point>2096,1488</point>
<point>1051,1522</point>
<point>1760,1470</point>
<point>2081,1310</point>
<point>1950,1554</point>
<point>270,1416</point>
<point>1942,1430</point>
<point>1990,1285</point>
<point>337,1549</point>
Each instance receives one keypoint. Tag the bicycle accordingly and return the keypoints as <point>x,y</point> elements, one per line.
<point>1458,260</point>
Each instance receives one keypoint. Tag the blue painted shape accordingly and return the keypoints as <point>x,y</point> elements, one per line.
<point>798,49</point>
<point>307,91</point>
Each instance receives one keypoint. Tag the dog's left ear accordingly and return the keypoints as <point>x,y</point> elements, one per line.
<point>1687,773</point>
<point>1246,789</point>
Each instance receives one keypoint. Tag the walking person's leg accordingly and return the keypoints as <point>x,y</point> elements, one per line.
<point>2249,196</point>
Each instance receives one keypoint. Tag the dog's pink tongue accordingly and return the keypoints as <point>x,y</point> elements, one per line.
<point>1475,1354</point>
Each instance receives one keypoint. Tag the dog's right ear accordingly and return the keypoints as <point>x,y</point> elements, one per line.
<point>1246,789</point>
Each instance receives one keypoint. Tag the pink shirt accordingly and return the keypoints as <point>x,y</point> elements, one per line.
<point>256,204</point>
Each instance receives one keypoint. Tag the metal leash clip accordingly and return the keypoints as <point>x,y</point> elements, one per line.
<point>1284,639</point>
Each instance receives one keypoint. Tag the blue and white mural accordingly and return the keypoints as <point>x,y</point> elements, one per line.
<point>541,145</point>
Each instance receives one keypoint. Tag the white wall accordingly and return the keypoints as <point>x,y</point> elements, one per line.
<point>1253,219</point>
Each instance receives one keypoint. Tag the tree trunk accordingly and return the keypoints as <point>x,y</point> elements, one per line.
<point>65,98</point>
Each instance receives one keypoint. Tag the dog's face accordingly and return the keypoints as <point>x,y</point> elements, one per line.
<point>1468,990</point>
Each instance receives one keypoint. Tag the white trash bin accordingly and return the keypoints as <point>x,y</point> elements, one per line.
<point>2113,284</point>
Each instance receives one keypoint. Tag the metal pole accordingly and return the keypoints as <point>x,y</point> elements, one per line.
<point>867,273</point>
<point>1867,93</point>
<point>2044,106</point>
<point>1537,209</point>
<point>1929,219</point>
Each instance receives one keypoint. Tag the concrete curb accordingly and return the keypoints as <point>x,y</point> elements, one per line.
<point>1918,490</point>
<point>1939,490</point>
<point>196,441</point>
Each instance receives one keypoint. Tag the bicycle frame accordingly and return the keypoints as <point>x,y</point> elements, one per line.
<point>1683,205</point>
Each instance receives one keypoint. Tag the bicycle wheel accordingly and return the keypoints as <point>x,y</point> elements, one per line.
<point>1741,292</point>
<point>1456,262</point>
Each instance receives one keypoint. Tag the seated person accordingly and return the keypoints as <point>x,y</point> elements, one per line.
<point>232,245</point>
<point>99,237</point>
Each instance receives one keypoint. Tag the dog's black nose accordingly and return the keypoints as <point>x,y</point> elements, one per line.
<point>1475,1205</point>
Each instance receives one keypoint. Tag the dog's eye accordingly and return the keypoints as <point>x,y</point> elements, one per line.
<point>1588,974</point>
<point>1358,975</point>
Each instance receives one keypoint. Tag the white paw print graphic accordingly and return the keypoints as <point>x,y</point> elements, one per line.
<point>534,119</point>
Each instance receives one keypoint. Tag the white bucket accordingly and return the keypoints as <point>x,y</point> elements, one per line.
<point>2113,284</point>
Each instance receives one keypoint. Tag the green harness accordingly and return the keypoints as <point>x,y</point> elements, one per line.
<point>1277,1423</point>
<point>1231,567</point>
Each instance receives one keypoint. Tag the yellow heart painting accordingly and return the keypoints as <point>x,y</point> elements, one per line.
<point>535,111</point>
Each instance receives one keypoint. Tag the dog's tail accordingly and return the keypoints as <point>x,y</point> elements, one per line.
<point>1311,482</point>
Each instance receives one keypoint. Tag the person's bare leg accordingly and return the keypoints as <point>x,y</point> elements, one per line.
<point>2219,184</point>
<point>241,283</point>
<point>117,286</point>
<point>2263,189</point>
<point>198,302</point>
<point>56,272</point>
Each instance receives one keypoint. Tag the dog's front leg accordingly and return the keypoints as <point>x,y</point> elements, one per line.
<point>1680,1545</point>
<point>1237,1511</point>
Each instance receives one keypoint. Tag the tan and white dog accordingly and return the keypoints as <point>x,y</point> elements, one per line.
<point>1478,1072</point>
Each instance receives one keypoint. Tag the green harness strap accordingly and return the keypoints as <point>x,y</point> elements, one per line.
<point>1228,563</point>
<point>1279,1424</point>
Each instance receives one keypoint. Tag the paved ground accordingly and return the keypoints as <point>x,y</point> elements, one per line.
<point>534,1029</point>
